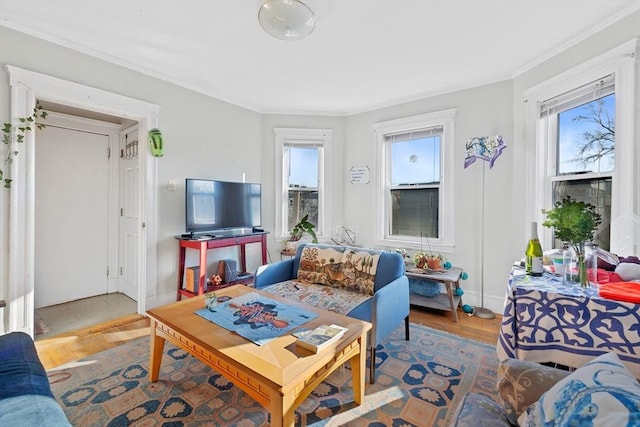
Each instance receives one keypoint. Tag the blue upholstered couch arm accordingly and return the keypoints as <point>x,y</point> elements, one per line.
<point>389,308</point>
<point>25,394</point>
<point>269,274</point>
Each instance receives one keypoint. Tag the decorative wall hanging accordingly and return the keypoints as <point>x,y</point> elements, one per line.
<point>156,143</point>
<point>486,148</point>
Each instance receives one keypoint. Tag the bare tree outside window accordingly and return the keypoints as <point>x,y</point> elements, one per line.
<point>586,146</point>
<point>598,141</point>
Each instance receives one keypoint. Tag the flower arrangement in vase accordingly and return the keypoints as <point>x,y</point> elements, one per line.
<point>574,222</point>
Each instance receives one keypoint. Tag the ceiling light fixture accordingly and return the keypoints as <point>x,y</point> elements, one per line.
<point>286,19</point>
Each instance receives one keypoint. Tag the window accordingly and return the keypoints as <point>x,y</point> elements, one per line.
<point>585,145</point>
<point>303,186</point>
<point>415,200</point>
<point>580,134</point>
<point>302,182</point>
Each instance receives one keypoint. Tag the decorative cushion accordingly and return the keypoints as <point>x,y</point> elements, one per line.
<point>478,410</point>
<point>351,269</point>
<point>603,393</point>
<point>426,288</point>
<point>521,383</point>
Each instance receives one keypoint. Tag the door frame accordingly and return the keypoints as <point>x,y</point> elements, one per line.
<point>27,87</point>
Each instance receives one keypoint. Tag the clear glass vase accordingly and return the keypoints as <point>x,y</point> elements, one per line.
<point>582,271</point>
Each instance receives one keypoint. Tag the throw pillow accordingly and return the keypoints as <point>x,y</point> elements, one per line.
<point>522,382</point>
<point>351,269</point>
<point>478,410</point>
<point>603,392</point>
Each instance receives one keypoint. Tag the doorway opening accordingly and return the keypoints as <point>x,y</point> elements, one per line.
<point>26,88</point>
<point>80,277</point>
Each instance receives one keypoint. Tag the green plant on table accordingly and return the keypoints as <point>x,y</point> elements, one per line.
<point>13,135</point>
<point>574,222</point>
<point>303,226</point>
<point>428,260</point>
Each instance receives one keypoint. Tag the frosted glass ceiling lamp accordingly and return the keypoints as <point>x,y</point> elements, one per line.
<point>286,19</point>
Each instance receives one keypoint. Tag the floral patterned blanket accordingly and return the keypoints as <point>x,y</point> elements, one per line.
<point>329,298</point>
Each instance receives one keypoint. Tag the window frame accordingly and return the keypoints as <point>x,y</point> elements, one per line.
<point>321,138</point>
<point>446,210</point>
<point>622,62</point>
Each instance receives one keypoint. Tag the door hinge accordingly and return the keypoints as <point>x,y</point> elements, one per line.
<point>108,153</point>
<point>121,271</point>
<point>121,211</point>
<point>107,271</point>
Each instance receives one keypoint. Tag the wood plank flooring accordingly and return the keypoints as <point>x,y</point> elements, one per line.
<point>81,343</point>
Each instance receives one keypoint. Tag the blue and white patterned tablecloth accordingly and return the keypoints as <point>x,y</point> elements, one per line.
<point>546,321</point>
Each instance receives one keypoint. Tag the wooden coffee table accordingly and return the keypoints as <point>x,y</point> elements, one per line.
<point>278,375</point>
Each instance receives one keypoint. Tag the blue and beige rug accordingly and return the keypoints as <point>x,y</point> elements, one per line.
<point>419,383</point>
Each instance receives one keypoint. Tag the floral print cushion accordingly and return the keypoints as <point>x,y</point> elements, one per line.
<point>346,268</point>
<point>602,392</point>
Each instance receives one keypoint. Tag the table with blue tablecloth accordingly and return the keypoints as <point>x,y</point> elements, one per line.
<point>545,320</point>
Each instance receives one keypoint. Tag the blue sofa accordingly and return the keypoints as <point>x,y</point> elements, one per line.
<point>343,279</point>
<point>25,394</point>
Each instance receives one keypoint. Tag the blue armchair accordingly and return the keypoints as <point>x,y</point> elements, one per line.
<point>385,300</point>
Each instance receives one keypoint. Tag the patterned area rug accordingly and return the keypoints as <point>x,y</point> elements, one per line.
<point>419,383</point>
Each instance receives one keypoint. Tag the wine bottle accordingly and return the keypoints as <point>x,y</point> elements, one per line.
<point>533,254</point>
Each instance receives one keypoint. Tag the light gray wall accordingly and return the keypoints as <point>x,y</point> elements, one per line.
<point>484,110</point>
<point>204,137</point>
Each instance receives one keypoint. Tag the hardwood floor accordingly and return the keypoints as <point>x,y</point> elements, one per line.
<point>75,345</point>
<point>80,343</point>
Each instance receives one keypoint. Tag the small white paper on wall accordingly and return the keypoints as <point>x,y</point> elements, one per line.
<point>359,174</point>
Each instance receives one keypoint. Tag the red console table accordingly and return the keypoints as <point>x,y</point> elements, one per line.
<point>204,244</point>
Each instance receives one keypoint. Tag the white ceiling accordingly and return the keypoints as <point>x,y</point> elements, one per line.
<point>362,55</point>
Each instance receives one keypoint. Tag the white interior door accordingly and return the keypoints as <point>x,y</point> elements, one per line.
<point>129,230</point>
<point>71,215</point>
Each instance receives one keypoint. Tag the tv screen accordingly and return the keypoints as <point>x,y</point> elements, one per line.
<point>220,205</point>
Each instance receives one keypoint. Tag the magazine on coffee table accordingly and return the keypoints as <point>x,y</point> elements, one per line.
<point>256,317</point>
<point>323,336</point>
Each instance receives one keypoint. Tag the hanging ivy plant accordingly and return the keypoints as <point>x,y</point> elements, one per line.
<point>25,124</point>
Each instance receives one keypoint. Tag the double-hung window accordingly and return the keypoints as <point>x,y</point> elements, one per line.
<point>415,197</point>
<point>586,145</point>
<point>302,183</point>
<point>579,129</point>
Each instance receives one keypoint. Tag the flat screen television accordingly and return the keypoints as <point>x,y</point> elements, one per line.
<point>212,205</point>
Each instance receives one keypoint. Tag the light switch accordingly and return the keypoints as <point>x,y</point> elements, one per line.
<point>171,185</point>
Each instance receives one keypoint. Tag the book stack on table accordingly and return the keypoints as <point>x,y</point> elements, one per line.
<point>316,339</point>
